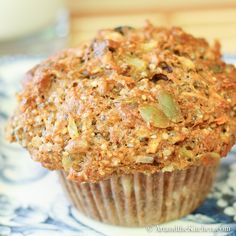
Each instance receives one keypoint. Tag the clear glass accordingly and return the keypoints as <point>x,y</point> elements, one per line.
<point>38,27</point>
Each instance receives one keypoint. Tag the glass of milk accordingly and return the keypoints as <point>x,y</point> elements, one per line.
<point>31,25</point>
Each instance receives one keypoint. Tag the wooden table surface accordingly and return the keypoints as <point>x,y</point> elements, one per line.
<point>212,19</point>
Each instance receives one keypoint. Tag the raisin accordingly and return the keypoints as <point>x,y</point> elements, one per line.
<point>158,77</point>
<point>166,67</point>
<point>123,29</point>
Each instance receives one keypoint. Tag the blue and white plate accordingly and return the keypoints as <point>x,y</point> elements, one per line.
<point>33,204</point>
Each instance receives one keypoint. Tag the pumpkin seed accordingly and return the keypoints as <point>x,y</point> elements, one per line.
<point>168,168</point>
<point>185,153</point>
<point>152,146</point>
<point>228,69</point>
<point>151,114</point>
<point>187,63</point>
<point>213,154</point>
<point>169,106</point>
<point>216,68</point>
<point>67,163</point>
<point>147,47</point>
<point>72,128</point>
<point>144,159</point>
<point>138,63</point>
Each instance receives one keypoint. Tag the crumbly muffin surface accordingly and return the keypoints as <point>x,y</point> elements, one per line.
<point>131,100</point>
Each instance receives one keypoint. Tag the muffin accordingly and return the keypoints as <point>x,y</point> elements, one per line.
<point>135,122</point>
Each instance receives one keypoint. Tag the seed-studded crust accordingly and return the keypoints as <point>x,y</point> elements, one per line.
<point>131,100</point>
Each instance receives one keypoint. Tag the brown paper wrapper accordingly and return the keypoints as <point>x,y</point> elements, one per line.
<point>140,199</point>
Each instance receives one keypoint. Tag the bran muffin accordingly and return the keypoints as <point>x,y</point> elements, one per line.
<point>135,121</point>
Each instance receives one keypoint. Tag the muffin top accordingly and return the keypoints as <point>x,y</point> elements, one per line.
<point>131,100</point>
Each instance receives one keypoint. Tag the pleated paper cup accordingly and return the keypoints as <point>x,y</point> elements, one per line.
<point>140,199</point>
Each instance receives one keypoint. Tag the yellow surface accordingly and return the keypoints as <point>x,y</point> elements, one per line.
<point>212,19</point>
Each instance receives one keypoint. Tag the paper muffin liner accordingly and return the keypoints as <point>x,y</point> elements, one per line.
<point>140,199</point>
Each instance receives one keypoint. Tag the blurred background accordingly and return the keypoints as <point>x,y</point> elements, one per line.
<point>45,26</point>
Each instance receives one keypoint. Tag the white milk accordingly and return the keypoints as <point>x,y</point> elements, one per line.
<point>23,17</point>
